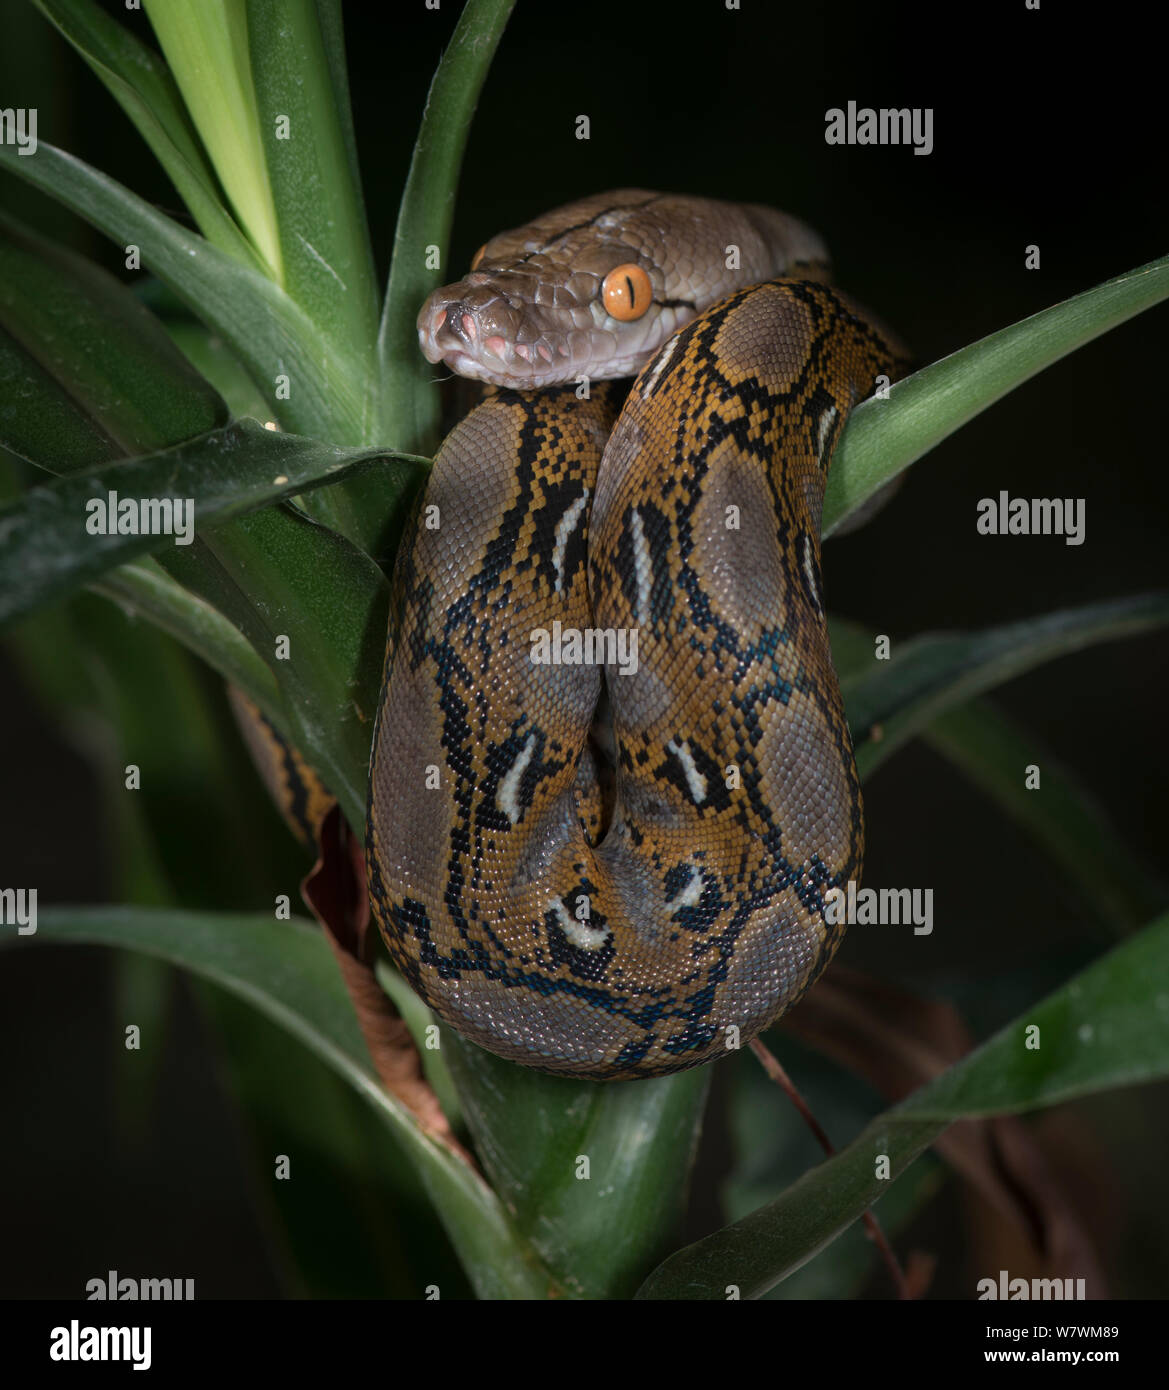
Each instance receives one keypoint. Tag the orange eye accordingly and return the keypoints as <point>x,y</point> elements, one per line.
<point>627,292</point>
<point>478,256</point>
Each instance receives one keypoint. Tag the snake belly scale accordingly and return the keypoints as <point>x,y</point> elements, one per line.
<point>661,556</point>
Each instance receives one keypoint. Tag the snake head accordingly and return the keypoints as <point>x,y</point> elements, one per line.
<point>594,288</point>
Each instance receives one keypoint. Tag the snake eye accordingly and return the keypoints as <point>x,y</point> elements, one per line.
<point>627,292</point>
<point>478,256</point>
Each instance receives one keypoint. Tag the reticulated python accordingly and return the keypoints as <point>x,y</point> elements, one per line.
<point>627,923</point>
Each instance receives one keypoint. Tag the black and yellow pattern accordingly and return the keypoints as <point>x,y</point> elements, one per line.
<point>639,934</point>
<point>300,795</point>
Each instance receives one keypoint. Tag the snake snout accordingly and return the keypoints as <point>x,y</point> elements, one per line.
<point>477,324</point>
<point>484,329</point>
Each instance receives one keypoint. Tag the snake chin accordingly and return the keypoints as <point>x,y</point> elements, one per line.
<point>524,379</point>
<point>517,375</point>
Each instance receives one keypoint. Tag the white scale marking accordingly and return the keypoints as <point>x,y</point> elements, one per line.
<point>694,779</point>
<point>642,566</point>
<point>564,529</point>
<point>810,571</point>
<point>507,797</point>
<point>690,895</point>
<point>826,422</point>
<point>581,934</point>
<point>664,356</point>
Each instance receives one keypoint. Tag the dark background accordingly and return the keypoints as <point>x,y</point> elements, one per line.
<point>1045,131</point>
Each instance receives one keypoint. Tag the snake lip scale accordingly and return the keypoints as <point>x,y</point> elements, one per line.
<point>625,915</point>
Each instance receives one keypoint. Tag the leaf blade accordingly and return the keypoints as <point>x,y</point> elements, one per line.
<point>285,970</point>
<point>934,673</point>
<point>141,83</point>
<point>409,395</point>
<point>1120,1000</point>
<point>89,372</point>
<point>320,217</point>
<point>46,549</point>
<point>269,333</point>
<point>883,437</point>
<point>992,751</point>
<point>533,1130</point>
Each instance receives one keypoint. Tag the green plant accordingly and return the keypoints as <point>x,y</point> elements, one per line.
<point>248,114</point>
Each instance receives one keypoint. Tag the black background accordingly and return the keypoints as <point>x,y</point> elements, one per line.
<point>1046,131</point>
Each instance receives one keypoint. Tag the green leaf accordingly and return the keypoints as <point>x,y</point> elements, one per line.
<point>286,971</point>
<point>368,507</point>
<point>297,580</point>
<point>417,1017</point>
<point>206,45</point>
<point>772,1146</point>
<point>898,698</point>
<point>270,334</point>
<point>1094,861</point>
<point>1107,1027</point>
<point>86,372</point>
<point>142,589</point>
<point>357,1221</point>
<point>409,394</point>
<point>598,1236</point>
<point>142,85</point>
<point>122,385</point>
<point>46,550</point>
<point>215,361</point>
<point>320,219</point>
<point>993,751</point>
<point>883,437</point>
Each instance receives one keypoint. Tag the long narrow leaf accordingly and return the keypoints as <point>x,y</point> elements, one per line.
<point>142,85</point>
<point>328,263</point>
<point>285,970</point>
<point>898,698</point>
<point>1108,1027</point>
<point>87,372</point>
<point>597,1229</point>
<point>883,437</point>
<point>143,590</point>
<point>310,388</point>
<point>314,607</point>
<point>409,395</point>
<point>1096,863</point>
<point>206,45</point>
<point>994,752</point>
<point>46,548</point>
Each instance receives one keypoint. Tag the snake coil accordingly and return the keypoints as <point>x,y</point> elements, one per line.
<point>631,920</point>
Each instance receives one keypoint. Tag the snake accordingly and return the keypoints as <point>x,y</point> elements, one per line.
<point>612,785</point>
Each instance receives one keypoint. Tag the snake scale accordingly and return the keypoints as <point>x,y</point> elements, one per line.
<point>658,560</point>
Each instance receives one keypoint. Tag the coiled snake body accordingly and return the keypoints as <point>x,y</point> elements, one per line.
<point>627,925</point>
